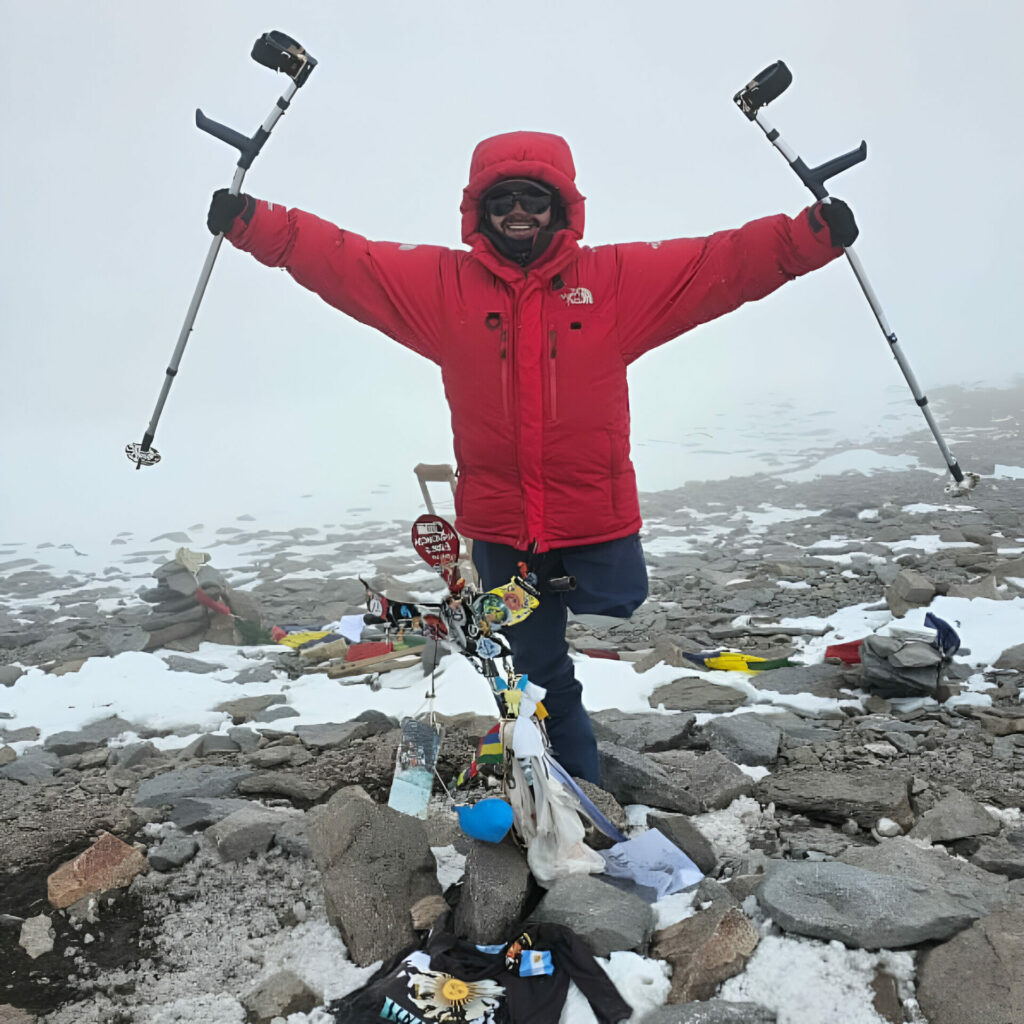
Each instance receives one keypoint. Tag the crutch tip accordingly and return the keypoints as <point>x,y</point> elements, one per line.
<point>960,488</point>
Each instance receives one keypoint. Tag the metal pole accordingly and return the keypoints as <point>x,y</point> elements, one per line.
<point>964,482</point>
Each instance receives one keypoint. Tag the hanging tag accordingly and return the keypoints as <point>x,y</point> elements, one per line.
<point>437,543</point>
<point>417,755</point>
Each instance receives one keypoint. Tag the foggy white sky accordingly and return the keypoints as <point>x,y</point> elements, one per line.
<point>106,182</point>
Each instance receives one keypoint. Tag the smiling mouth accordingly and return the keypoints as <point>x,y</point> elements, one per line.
<point>519,227</point>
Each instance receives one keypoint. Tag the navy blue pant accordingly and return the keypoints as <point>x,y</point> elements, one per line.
<point>611,579</point>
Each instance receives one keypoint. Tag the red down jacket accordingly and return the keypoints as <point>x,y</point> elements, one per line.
<point>534,362</point>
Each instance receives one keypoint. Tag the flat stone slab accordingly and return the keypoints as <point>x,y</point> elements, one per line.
<point>644,732</point>
<point>832,900</point>
<point>691,693</point>
<point>201,782</point>
<point>818,680</point>
<point>864,794</point>
<point>976,977</point>
<point>710,1011</point>
<point>96,734</point>
<point>978,891</point>
<point>332,734</point>
<point>955,816</point>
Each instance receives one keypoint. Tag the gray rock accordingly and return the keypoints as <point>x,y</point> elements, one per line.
<point>209,743</point>
<point>7,755</point>
<point>294,787</point>
<point>243,709</point>
<point>273,757</point>
<point>979,892</point>
<point>291,837</point>
<point>375,864</point>
<point>744,739</point>
<point>822,680</point>
<point>605,918</point>
<point>910,589</point>
<point>678,829</point>
<point>205,782</point>
<point>172,853</point>
<point>955,816</point>
<point>258,674</point>
<point>634,778</point>
<point>247,740</point>
<point>831,900</point>
<point>710,777</point>
<point>276,997</point>
<point>705,950</point>
<point>643,732</point>
<point>195,812</point>
<point>177,663</point>
<point>118,639</point>
<point>246,831</point>
<point>1003,855</point>
<point>1012,657</point>
<point>495,888</point>
<point>865,794</point>
<point>133,754</point>
<point>95,734</point>
<point>975,978</point>
<point>275,713</point>
<point>711,1011</point>
<point>10,674</point>
<point>33,768</point>
<point>691,693</point>
<point>37,936</point>
<point>332,734</point>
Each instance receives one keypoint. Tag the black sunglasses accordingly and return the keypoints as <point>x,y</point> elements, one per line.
<point>531,198</point>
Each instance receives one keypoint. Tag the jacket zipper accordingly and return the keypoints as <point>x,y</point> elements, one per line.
<point>552,390</point>
<point>503,355</point>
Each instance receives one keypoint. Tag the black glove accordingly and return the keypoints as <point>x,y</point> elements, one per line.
<point>841,226</point>
<point>224,208</point>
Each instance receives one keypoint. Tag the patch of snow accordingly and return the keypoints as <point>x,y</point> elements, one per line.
<point>806,981</point>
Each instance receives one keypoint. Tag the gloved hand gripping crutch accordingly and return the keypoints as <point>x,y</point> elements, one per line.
<point>279,52</point>
<point>758,93</point>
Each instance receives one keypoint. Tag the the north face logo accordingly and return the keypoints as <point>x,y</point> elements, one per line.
<point>578,297</point>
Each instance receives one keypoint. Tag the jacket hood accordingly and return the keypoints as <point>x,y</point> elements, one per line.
<point>536,155</point>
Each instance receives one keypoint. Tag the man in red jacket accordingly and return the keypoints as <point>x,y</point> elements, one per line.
<point>533,333</point>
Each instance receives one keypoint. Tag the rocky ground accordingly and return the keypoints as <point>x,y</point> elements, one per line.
<point>855,820</point>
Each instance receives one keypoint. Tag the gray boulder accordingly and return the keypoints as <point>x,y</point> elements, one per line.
<point>859,908</point>
<point>375,864</point>
<point>494,892</point>
<point>824,680</point>
<point>711,777</point>
<point>172,853</point>
<point>283,993</point>
<point>246,831</point>
<point>680,830</point>
<point>634,778</point>
<point>865,794</point>
<point>977,891</point>
<point>691,693</point>
<point>96,734</point>
<point>645,732</point>
<point>712,1011</point>
<point>332,734</point>
<point>1003,855</point>
<point>606,918</point>
<point>744,739</point>
<point>705,950</point>
<point>976,977</point>
<point>910,589</point>
<point>955,816</point>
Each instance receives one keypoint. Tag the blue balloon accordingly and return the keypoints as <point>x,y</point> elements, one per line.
<point>488,820</point>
